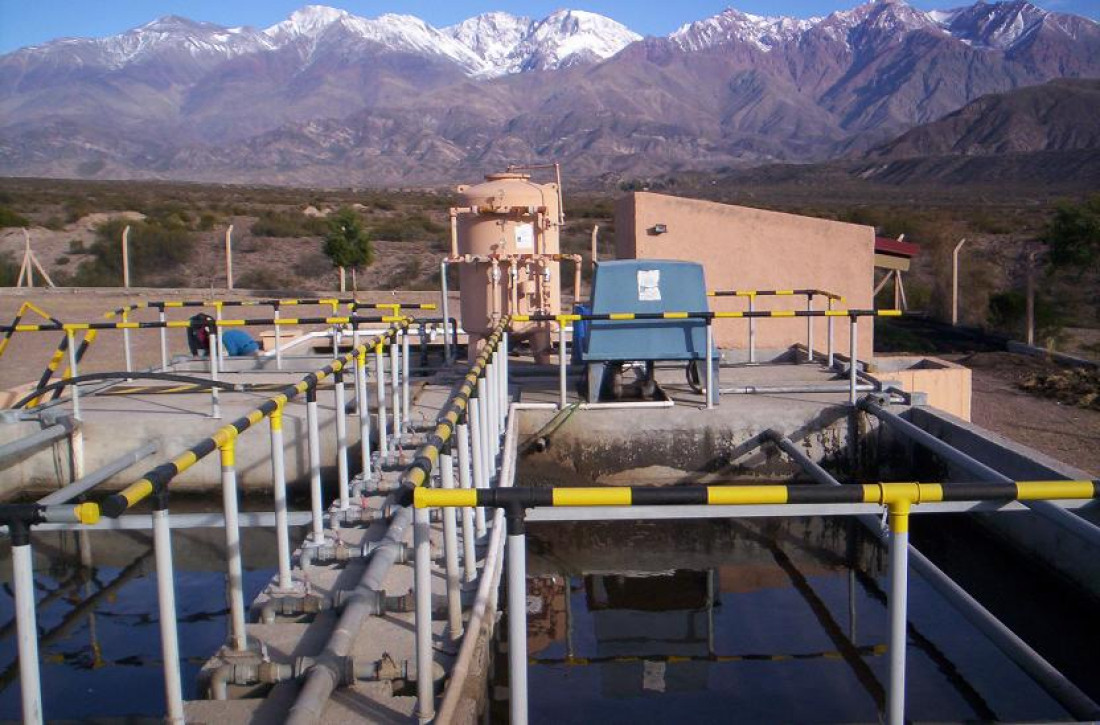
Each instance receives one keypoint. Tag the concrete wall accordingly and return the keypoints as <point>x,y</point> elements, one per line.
<point>743,248</point>
<point>946,385</point>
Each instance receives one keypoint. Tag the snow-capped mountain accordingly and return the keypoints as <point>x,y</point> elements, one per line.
<point>326,94</point>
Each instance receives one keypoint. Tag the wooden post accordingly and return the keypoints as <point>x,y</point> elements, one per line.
<point>229,257</point>
<point>126,257</point>
<point>955,282</point>
<point>343,285</point>
<point>1031,298</point>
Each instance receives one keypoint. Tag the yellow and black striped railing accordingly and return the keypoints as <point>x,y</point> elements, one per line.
<point>179,324</point>
<point>705,315</point>
<point>758,494</point>
<point>427,456</point>
<point>158,478</point>
<point>776,293</point>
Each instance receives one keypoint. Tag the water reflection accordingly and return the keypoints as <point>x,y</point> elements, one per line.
<point>99,638</point>
<point>757,621</point>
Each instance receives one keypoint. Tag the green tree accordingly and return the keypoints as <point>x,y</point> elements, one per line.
<point>1073,236</point>
<point>347,244</point>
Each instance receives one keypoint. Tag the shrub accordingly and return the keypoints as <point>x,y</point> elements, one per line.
<point>9,218</point>
<point>76,246</point>
<point>155,249</point>
<point>288,224</point>
<point>9,270</point>
<point>264,278</point>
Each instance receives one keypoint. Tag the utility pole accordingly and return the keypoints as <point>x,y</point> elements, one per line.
<point>955,282</point>
<point>126,257</point>
<point>229,257</point>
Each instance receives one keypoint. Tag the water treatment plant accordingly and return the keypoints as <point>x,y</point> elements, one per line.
<point>688,489</point>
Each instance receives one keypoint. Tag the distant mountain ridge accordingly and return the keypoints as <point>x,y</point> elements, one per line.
<point>328,97</point>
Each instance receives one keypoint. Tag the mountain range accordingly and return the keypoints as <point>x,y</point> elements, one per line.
<point>329,98</point>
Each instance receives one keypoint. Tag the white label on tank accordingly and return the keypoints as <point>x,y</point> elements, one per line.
<point>525,236</point>
<point>649,285</point>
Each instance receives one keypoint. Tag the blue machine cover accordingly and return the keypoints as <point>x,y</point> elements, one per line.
<point>647,285</point>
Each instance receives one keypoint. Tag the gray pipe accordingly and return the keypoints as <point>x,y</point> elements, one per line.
<point>92,480</point>
<point>1050,679</point>
<point>1068,521</point>
<point>781,389</point>
<point>323,677</point>
<point>46,435</point>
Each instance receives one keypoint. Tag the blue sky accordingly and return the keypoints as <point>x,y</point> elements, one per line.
<point>27,22</point>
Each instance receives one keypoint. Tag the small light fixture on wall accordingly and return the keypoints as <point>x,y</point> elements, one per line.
<point>658,229</point>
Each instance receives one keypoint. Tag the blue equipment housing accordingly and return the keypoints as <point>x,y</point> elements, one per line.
<point>642,285</point>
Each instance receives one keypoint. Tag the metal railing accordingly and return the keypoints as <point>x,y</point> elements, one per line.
<point>899,500</point>
<point>809,294</point>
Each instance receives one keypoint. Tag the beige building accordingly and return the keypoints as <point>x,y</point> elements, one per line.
<point>744,248</point>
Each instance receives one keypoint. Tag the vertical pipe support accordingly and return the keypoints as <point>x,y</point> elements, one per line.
<point>469,555</point>
<point>450,548</point>
<point>422,565</point>
<point>362,405</point>
<point>853,357</point>
<point>710,365</point>
<point>477,457</point>
<point>314,444</point>
<point>238,634</point>
<point>517,616</point>
<point>406,398</point>
<point>395,386</point>
<point>898,606</point>
<point>215,346</point>
<point>752,328</point>
<point>278,483</point>
<point>340,395</point>
<point>444,294</point>
<point>380,392</point>
<point>562,393</point>
<point>829,334</point>
<point>278,340</point>
<point>127,350</point>
<point>26,625</point>
<point>74,372</point>
<point>810,327</point>
<point>163,340</point>
<point>166,605</point>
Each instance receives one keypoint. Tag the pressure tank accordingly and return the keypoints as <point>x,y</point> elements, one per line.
<point>512,226</point>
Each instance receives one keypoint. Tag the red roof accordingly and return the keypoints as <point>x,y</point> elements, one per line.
<point>886,245</point>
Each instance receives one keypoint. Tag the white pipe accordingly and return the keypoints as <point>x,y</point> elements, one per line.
<point>278,341</point>
<point>562,392</point>
<point>710,366</point>
<point>166,603</point>
<point>341,440</point>
<point>86,483</point>
<point>955,282</point>
<point>898,606</point>
<point>314,444</point>
<point>752,329</point>
<point>469,555</point>
<point>278,479</point>
<point>422,564</point>
<point>380,393</point>
<point>853,361</point>
<point>810,329</point>
<point>487,455</point>
<point>215,408</point>
<point>517,626</point>
<point>30,686</point>
<point>163,340</point>
<point>829,335</point>
<point>127,351</point>
<point>362,404</point>
<point>614,406</point>
<point>395,387</point>
<point>235,569</point>
<point>444,294</point>
<point>478,458</point>
<point>75,387</point>
<point>450,550</point>
<point>406,399</point>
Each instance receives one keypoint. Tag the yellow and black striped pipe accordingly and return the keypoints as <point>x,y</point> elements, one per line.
<point>708,315</point>
<point>289,302</point>
<point>158,478</point>
<point>156,324</point>
<point>745,495</point>
<point>775,293</point>
<point>451,414</point>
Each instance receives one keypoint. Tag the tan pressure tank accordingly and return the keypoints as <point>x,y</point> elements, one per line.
<point>507,238</point>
